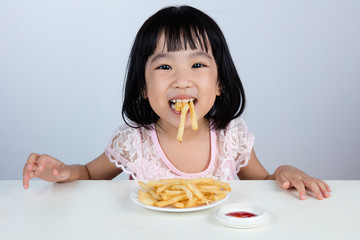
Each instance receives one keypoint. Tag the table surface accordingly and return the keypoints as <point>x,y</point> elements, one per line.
<point>104,210</point>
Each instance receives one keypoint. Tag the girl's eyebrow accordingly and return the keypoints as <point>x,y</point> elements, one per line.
<point>201,54</point>
<point>159,56</point>
<point>195,54</point>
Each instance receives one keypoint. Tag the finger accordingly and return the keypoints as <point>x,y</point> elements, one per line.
<point>26,178</point>
<point>312,184</point>
<point>300,187</point>
<point>328,189</point>
<point>324,188</point>
<point>33,157</point>
<point>283,182</point>
<point>28,168</point>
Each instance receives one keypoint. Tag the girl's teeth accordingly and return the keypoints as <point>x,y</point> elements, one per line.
<point>173,101</point>
<point>181,100</point>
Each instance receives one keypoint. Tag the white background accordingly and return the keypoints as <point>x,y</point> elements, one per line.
<point>62,66</point>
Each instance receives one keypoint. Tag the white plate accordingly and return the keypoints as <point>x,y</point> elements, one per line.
<point>135,198</point>
<point>262,215</point>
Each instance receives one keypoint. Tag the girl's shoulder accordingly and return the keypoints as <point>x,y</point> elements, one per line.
<point>236,126</point>
<point>126,145</point>
<point>235,138</point>
<point>234,145</point>
<point>126,133</point>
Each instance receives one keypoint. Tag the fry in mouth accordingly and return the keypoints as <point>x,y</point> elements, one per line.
<point>184,107</point>
<point>178,106</point>
<point>194,124</point>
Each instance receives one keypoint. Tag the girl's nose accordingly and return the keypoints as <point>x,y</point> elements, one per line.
<point>182,80</point>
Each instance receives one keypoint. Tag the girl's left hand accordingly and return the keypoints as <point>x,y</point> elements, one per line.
<point>288,177</point>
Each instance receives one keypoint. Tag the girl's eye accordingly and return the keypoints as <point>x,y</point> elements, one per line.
<point>198,65</point>
<point>164,67</point>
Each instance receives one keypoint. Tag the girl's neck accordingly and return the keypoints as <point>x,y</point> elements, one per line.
<point>168,132</point>
<point>191,156</point>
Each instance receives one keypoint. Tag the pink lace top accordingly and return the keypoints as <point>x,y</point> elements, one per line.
<point>137,152</point>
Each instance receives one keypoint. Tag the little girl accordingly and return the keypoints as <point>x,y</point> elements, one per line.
<point>179,54</point>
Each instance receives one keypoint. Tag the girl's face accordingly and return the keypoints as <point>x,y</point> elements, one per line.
<point>184,74</point>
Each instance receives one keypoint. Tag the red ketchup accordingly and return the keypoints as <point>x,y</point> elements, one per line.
<point>241,214</point>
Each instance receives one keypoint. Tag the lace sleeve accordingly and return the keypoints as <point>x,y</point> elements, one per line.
<point>238,143</point>
<point>123,148</point>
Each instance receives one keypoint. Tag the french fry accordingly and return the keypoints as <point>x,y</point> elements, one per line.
<point>178,106</point>
<point>219,192</point>
<point>171,201</point>
<point>170,194</point>
<point>144,186</point>
<point>194,124</point>
<point>198,180</point>
<point>144,194</point>
<point>184,110</point>
<point>187,191</point>
<point>154,183</point>
<point>224,185</point>
<point>218,197</point>
<point>146,198</point>
<point>182,193</point>
<point>179,205</point>
<point>149,190</point>
<point>192,203</point>
<point>163,188</point>
<point>199,194</point>
<point>208,187</point>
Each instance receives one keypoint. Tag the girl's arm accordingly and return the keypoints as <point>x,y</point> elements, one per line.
<point>102,169</point>
<point>51,169</point>
<point>254,170</point>
<point>286,177</point>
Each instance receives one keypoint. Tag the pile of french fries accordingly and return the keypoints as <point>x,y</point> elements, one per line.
<point>182,193</point>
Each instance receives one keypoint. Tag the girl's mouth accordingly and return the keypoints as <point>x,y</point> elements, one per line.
<point>173,101</point>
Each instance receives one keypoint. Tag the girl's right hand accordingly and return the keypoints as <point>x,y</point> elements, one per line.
<point>44,167</point>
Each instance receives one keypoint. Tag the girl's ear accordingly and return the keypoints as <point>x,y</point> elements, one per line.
<point>218,88</point>
<point>144,93</point>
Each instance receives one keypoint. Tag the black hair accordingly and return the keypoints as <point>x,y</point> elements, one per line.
<point>183,26</point>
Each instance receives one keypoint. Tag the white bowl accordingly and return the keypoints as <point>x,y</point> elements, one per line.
<point>237,222</point>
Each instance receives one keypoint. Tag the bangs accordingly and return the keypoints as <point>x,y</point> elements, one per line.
<point>181,37</point>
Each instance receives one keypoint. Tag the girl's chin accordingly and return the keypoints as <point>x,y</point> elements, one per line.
<point>172,124</point>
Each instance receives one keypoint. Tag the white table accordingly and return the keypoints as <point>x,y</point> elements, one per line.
<point>103,210</point>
